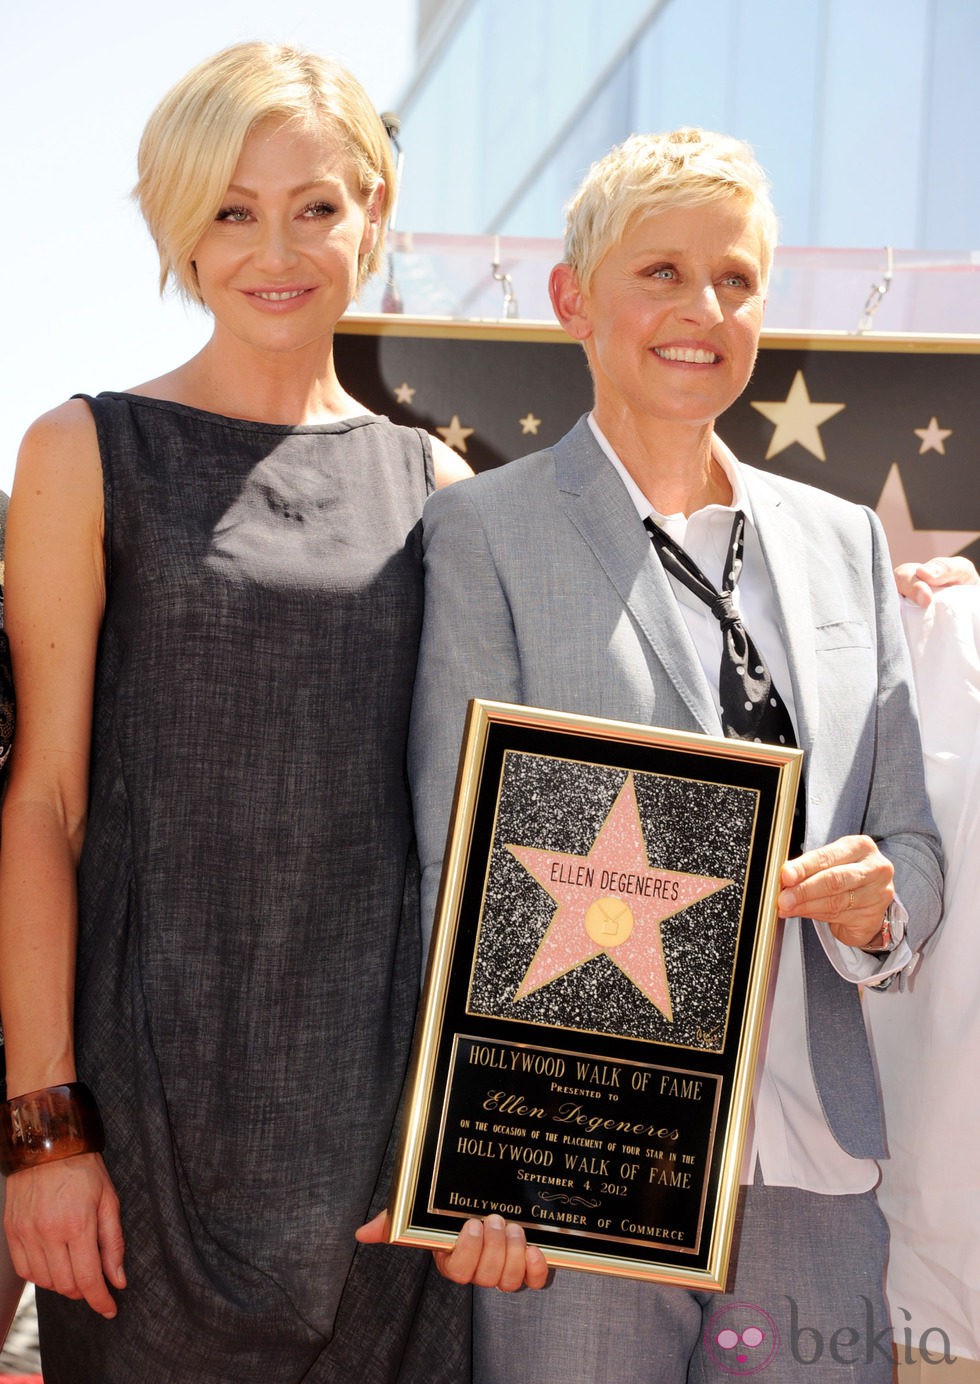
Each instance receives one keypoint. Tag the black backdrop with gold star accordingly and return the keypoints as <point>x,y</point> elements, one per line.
<point>897,420</point>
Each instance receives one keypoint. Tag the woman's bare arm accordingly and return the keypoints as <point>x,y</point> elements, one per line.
<point>61,1217</point>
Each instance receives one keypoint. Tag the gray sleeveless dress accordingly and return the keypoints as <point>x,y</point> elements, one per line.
<point>249,945</point>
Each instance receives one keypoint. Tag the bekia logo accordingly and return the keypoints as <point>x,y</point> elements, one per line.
<point>741,1338</point>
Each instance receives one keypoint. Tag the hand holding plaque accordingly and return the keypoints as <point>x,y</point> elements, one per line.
<point>490,1253</point>
<point>595,992</point>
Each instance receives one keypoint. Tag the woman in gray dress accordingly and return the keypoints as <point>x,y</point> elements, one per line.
<point>208,919</point>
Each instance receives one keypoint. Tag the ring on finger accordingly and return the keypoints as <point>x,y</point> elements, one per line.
<point>850,899</point>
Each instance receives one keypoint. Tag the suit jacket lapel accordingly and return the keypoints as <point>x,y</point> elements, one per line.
<point>784,543</point>
<point>597,503</point>
<point>842,1066</point>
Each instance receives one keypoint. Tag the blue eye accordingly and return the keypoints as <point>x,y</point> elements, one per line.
<point>233,214</point>
<point>319,209</point>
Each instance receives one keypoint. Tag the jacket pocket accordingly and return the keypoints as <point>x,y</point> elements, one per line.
<point>842,634</point>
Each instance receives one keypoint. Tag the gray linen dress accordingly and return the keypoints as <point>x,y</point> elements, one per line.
<point>249,942</point>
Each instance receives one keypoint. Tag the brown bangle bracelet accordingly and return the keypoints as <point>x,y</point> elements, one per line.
<point>43,1126</point>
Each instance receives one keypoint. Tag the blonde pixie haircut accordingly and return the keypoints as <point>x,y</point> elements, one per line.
<point>194,138</point>
<point>652,173</point>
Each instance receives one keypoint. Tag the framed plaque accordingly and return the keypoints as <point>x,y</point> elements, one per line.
<point>595,992</point>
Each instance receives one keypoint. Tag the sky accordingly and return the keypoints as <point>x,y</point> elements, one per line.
<point>77,83</point>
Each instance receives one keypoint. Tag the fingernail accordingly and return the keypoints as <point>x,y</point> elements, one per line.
<point>495,1222</point>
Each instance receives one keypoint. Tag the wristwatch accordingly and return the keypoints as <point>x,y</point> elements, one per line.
<point>890,934</point>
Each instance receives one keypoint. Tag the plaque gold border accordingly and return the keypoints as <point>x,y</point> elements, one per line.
<point>423,1105</point>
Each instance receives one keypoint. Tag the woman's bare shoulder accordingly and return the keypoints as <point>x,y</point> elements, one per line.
<point>58,478</point>
<point>61,444</point>
<point>69,424</point>
<point>449,465</point>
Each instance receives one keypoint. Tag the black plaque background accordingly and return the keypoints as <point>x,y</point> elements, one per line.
<point>463,1086</point>
<point>642,1179</point>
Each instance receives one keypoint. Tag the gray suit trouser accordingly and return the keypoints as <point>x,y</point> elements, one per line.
<point>807,1305</point>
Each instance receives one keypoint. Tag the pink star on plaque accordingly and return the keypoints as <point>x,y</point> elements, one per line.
<point>610,901</point>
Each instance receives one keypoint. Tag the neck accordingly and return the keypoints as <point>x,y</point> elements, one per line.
<point>230,378</point>
<point>672,463</point>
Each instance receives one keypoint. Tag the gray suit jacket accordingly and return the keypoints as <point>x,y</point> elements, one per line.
<point>542,588</point>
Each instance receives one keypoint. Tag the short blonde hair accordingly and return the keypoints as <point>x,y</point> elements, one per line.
<point>650,173</point>
<point>194,139</point>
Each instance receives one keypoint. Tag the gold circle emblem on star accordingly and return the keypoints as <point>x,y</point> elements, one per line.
<point>609,921</point>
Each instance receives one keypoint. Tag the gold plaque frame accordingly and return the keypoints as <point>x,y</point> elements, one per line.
<point>595,994</point>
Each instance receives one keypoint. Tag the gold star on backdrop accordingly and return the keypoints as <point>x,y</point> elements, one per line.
<point>530,424</point>
<point>797,419</point>
<point>455,435</point>
<point>404,393</point>
<point>933,437</point>
<point>906,543</point>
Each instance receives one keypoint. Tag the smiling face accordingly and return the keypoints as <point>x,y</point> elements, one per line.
<point>278,265</point>
<point>670,320</point>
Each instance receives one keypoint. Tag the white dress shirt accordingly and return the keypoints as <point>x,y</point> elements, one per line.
<point>791,1138</point>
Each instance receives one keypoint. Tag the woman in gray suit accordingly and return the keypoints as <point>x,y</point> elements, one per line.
<point>550,582</point>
